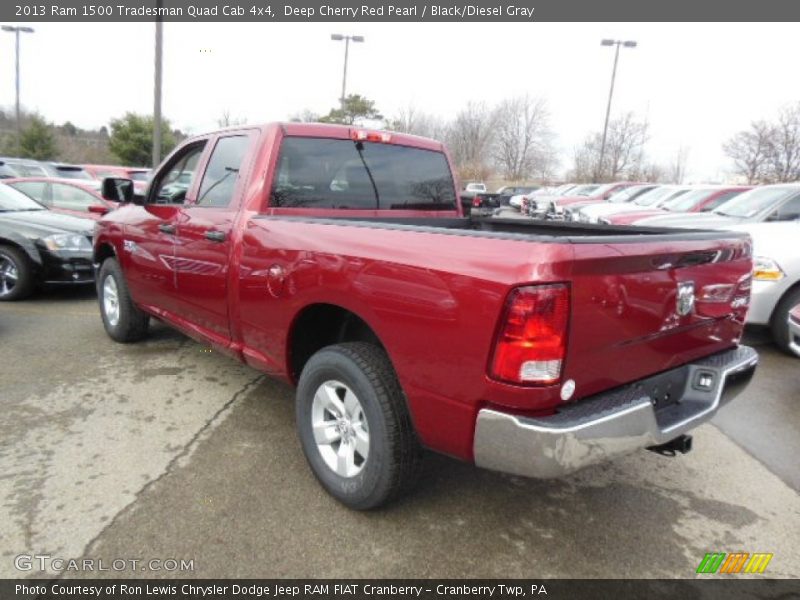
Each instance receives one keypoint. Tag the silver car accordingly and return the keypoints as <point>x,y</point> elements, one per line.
<point>775,299</point>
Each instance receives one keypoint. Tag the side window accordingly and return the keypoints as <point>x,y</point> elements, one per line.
<point>72,198</point>
<point>171,187</point>
<point>35,189</point>
<point>219,180</point>
<point>790,211</point>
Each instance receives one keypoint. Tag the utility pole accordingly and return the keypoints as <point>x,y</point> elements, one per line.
<point>157,90</point>
<point>617,43</point>
<point>338,37</point>
<point>16,31</point>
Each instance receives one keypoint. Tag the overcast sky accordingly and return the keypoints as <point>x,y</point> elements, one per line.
<point>696,83</point>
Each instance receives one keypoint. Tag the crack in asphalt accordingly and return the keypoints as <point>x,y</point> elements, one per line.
<point>188,448</point>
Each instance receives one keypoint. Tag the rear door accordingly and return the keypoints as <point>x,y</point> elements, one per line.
<point>203,242</point>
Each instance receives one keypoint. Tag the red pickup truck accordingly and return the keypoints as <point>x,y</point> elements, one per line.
<point>337,259</point>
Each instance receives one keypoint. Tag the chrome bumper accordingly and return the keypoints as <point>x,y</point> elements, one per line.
<point>613,423</point>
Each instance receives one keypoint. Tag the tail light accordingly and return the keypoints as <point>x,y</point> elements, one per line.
<point>476,201</point>
<point>531,341</point>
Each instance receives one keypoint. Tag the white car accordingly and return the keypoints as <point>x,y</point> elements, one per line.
<point>475,188</point>
<point>775,295</point>
<point>652,199</point>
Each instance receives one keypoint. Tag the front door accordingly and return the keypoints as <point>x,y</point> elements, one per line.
<point>150,233</point>
<point>203,242</point>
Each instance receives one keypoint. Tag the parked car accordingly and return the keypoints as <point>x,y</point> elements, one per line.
<point>621,196</point>
<point>485,203</point>
<point>65,171</point>
<point>779,202</point>
<point>23,167</point>
<point>775,299</point>
<point>652,199</point>
<point>38,246</point>
<point>404,326</point>
<point>67,196</point>
<point>553,208</point>
<point>139,175</point>
<point>468,194</point>
<point>694,201</point>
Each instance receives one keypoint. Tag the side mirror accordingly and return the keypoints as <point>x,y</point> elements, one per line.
<point>118,189</point>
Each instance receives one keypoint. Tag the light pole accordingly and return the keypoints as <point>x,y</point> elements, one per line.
<point>16,31</point>
<point>157,90</point>
<point>617,43</point>
<point>338,37</point>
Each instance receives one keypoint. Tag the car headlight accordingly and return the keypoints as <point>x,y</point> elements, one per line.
<point>766,269</point>
<point>66,241</point>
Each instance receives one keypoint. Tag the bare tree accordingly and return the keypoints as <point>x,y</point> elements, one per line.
<point>469,139</point>
<point>416,122</point>
<point>624,146</point>
<point>750,151</point>
<point>226,120</point>
<point>624,152</point>
<point>677,168</point>
<point>784,146</point>
<point>522,140</point>
<point>305,116</point>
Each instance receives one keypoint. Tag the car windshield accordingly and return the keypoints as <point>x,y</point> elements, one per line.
<point>603,189</point>
<point>629,193</point>
<point>689,200</point>
<point>14,200</point>
<point>30,170</point>
<point>656,196</point>
<point>583,190</point>
<point>751,203</point>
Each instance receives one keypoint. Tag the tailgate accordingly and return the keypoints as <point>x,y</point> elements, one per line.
<point>639,308</point>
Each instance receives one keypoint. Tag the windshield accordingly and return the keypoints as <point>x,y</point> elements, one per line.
<point>583,190</point>
<point>140,175</point>
<point>751,203</point>
<point>629,193</point>
<point>603,189</point>
<point>656,196</point>
<point>688,201</point>
<point>11,200</point>
<point>331,173</point>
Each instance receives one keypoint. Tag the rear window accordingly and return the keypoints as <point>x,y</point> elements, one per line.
<point>72,173</point>
<point>327,173</point>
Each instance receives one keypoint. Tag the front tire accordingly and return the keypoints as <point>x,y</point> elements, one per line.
<point>354,425</point>
<point>779,324</point>
<point>17,276</point>
<point>123,321</point>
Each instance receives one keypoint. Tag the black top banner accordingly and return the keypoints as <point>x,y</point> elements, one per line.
<point>398,10</point>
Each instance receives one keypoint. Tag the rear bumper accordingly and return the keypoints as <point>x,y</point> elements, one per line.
<point>613,423</point>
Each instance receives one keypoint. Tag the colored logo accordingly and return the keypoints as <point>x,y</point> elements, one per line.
<point>736,562</point>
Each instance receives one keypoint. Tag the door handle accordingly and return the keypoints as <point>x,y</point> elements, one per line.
<point>215,236</point>
<point>166,228</point>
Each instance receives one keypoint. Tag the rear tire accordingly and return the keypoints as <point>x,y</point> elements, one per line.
<point>780,322</point>
<point>124,322</point>
<point>17,275</point>
<point>354,426</point>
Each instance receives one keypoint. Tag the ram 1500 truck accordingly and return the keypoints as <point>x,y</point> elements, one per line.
<point>337,259</point>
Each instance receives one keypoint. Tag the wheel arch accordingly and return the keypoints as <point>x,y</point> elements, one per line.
<point>24,244</point>
<point>319,325</point>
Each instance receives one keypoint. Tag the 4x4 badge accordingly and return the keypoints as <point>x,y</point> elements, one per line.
<point>685,302</point>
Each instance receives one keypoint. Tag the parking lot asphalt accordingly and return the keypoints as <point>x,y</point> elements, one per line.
<point>165,450</point>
